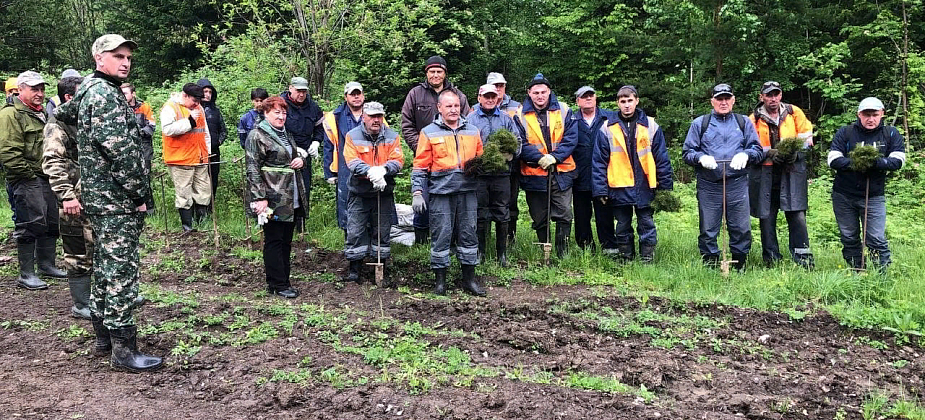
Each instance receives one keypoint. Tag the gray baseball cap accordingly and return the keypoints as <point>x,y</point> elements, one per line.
<point>373,108</point>
<point>299,83</point>
<point>869,103</point>
<point>70,73</point>
<point>30,78</point>
<point>495,78</point>
<point>584,90</point>
<point>352,86</point>
<point>110,42</point>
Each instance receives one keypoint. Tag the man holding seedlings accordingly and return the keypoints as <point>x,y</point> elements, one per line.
<point>511,107</point>
<point>780,182</point>
<point>373,157</point>
<point>720,145</point>
<point>444,148</point>
<point>861,155</point>
<point>501,143</point>
<point>114,185</point>
<point>630,164</point>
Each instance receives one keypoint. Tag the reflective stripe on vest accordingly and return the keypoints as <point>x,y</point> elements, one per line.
<point>188,148</point>
<point>330,128</point>
<point>535,137</point>
<point>619,170</point>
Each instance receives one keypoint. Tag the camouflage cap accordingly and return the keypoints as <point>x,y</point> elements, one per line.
<point>30,78</point>
<point>110,42</point>
<point>299,83</point>
<point>373,108</point>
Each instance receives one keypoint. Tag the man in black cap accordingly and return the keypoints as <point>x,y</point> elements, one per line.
<point>418,112</point>
<point>720,145</point>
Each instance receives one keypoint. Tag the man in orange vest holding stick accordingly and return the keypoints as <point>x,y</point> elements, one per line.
<point>186,152</point>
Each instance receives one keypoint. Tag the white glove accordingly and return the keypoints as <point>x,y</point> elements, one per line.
<point>332,180</point>
<point>264,216</point>
<point>313,150</point>
<point>708,162</point>
<point>418,204</point>
<point>739,161</point>
<point>380,184</point>
<point>507,156</point>
<point>376,173</point>
<point>546,161</point>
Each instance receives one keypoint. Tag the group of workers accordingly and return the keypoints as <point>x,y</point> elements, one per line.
<point>79,167</point>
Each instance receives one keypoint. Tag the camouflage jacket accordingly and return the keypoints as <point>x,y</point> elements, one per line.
<point>21,141</point>
<point>269,176</point>
<point>113,173</point>
<point>60,160</point>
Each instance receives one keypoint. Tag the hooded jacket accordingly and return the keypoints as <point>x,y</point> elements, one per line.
<point>892,157</point>
<point>303,121</point>
<point>722,140</point>
<point>214,120</point>
<point>420,109</point>
<point>641,193</point>
<point>21,141</point>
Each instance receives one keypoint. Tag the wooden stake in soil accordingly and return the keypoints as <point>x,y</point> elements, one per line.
<point>247,219</point>
<point>380,269</point>
<point>725,263</point>
<point>863,267</point>
<point>164,211</point>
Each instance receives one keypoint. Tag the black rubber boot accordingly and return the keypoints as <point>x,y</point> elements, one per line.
<point>542,235</point>
<point>125,354</point>
<point>386,275</point>
<point>27,278</point>
<point>481,230</point>
<point>627,252</point>
<point>805,260</point>
<point>80,294</point>
<point>855,262</point>
<point>469,284</point>
<point>512,232</point>
<point>45,258</point>
<point>186,220</point>
<point>562,233</point>
<point>139,301</point>
<point>353,273</point>
<point>646,253</point>
<point>740,262</point>
<point>440,281</point>
<point>103,345</point>
<point>710,260</point>
<point>421,236</point>
<point>202,214</point>
<point>501,242</point>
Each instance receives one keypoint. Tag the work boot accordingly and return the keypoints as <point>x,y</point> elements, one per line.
<point>45,258</point>
<point>512,232</point>
<point>855,262</point>
<point>740,260</point>
<point>501,242</point>
<point>646,253</point>
<point>353,273</point>
<point>139,301</point>
<point>562,232</point>
<point>202,214</point>
<point>481,231</point>
<point>805,260</point>
<point>468,281</point>
<point>27,278</point>
<point>125,354</point>
<point>627,252</point>
<point>440,281</point>
<point>186,220</point>
<point>542,235</point>
<point>103,344</point>
<point>80,294</point>
<point>421,236</point>
<point>710,260</point>
<point>386,275</point>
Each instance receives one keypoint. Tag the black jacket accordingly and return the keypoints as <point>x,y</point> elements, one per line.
<point>892,157</point>
<point>214,120</point>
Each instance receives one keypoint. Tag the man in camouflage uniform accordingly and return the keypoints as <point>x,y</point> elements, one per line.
<point>36,231</point>
<point>59,162</point>
<point>114,186</point>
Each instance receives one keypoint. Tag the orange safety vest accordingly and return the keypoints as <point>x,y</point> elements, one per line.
<point>556,121</point>
<point>188,148</point>
<point>794,124</point>
<point>619,170</point>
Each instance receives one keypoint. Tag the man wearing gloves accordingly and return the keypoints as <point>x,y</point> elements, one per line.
<point>550,136</point>
<point>336,125</point>
<point>720,145</point>
<point>304,123</point>
<point>374,156</point>
<point>444,147</point>
<point>780,182</point>
<point>186,148</point>
<point>858,177</point>
<point>629,163</point>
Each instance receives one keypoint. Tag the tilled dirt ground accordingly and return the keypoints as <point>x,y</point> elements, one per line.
<point>344,351</point>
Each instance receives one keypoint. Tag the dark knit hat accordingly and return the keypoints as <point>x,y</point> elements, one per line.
<point>539,79</point>
<point>194,90</point>
<point>435,61</point>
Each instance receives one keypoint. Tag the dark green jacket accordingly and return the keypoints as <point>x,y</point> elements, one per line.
<point>21,141</point>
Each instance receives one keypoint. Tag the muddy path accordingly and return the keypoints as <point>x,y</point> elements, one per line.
<point>343,351</point>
